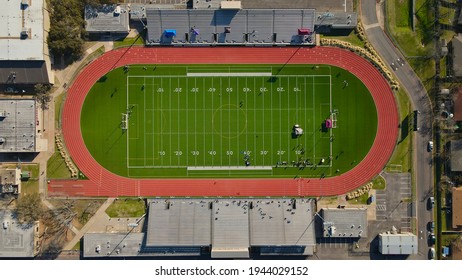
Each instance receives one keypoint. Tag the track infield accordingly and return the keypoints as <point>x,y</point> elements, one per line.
<point>104,183</point>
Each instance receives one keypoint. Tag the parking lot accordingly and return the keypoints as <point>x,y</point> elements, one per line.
<point>392,204</point>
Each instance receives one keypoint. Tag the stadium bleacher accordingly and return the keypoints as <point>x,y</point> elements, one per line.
<point>230,27</point>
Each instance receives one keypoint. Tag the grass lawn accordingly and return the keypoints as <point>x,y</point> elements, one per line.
<point>402,156</point>
<point>360,200</point>
<point>126,208</point>
<point>351,38</point>
<point>379,183</point>
<point>56,167</point>
<point>127,42</point>
<point>447,239</point>
<point>208,120</point>
<point>402,13</point>
<point>447,15</point>
<point>32,185</point>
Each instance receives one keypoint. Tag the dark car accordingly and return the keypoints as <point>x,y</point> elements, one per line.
<point>431,239</point>
<point>431,254</point>
<point>431,226</point>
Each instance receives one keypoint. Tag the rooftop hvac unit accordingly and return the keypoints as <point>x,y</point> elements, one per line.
<point>117,11</point>
<point>332,230</point>
<point>2,114</point>
<point>2,140</point>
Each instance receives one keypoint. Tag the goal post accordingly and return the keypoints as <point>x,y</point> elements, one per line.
<point>124,123</point>
<point>333,117</point>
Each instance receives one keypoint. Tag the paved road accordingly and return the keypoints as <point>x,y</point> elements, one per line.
<point>423,168</point>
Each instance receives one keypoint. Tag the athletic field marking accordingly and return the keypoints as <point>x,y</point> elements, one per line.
<point>229,74</point>
<point>229,168</point>
<point>259,88</point>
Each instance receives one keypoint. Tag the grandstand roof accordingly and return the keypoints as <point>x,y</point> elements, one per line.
<point>257,26</point>
<point>17,241</point>
<point>230,227</point>
<point>21,35</point>
<point>345,222</point>
<point>17,126</point>
<point>179,222</point>
<point>324,5</point>
<point>107,18</point>
<point>283,222</point>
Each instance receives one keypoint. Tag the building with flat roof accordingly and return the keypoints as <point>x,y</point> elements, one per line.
<point>10,181</point>
<point>457,207</point>
<point>324,5</point>
<point>23,51</point>
<point>219,228</point>
<point>21,35</point>
<point>392,243</point>
<point>17,240</point>
<point>107,20</point>
<point>112,244</point>
<point>344,222</point>
<point>456,45</point>
<point>17,126</point>
<point>180,226</point>
<point>456,155</point>
<point>283,226</point>
<point>335,21</point>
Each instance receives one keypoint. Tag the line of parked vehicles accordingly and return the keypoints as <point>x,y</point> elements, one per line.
<point>431,229</point>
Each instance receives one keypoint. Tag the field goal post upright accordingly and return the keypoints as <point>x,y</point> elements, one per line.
<point>333,117</point>
<point>124,123</point>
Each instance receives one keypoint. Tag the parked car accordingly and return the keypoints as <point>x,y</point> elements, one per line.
<point>431,239</point>
<point>430,202</point>
<point>431,226</point>
<point>430,146</point>
<point>431,254</point>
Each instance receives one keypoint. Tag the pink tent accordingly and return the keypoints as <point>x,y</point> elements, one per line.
<point>328,123</point>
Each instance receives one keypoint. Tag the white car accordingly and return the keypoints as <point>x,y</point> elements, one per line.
<point>430,146</point>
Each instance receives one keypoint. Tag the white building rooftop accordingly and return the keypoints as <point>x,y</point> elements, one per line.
<point>21,32</point>
<point>17,125</point>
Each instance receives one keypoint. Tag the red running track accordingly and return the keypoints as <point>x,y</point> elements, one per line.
<point>101,182</point>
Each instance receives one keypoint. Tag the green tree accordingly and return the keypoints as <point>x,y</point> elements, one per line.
<point>67,26</point>
<point>42,95</point>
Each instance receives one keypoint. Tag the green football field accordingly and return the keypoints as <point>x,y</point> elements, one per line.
<point>228,121</point>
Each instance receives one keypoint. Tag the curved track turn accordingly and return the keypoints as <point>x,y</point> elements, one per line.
<point>101,182</point>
